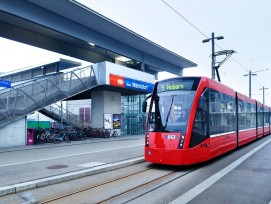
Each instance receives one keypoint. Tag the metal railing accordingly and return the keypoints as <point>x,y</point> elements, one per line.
<point>65,116</point>
<point>33,95</point>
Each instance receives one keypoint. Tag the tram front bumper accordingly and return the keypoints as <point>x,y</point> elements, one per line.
<point>163,156</point>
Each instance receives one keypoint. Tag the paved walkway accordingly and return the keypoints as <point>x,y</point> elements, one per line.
<point>25,167</point>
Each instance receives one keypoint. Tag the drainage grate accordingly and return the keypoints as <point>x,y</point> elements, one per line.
<point>57,167</point>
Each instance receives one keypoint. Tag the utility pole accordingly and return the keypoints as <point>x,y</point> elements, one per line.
<point>250,74</point>
<point>213,56</point>
<point>213,51</point>
<point>263,92</point>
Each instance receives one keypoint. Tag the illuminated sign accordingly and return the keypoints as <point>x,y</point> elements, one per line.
<point>4,83</point>
<point>175,85</point>
<point>128,83</point>
<point>116,121</point>
<point>116,80</point>
<point>138,85</point>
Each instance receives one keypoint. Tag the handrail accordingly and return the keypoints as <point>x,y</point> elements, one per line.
<point>68,116</point>
<point>34,95</point>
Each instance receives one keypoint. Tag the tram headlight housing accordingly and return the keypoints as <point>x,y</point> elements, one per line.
<point>181,142</point>
<point>147,140</point>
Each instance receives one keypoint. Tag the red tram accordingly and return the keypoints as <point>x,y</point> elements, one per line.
<point>194,119</point>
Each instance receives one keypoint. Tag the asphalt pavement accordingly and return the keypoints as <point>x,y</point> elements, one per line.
<point>27,167</point>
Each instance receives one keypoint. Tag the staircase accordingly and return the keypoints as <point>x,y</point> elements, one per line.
<point>68,118</point>
<point>34,95</point>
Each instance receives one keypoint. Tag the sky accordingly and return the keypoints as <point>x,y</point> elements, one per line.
<point>243,23</point>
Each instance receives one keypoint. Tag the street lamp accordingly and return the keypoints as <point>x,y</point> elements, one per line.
<point>213,51</point>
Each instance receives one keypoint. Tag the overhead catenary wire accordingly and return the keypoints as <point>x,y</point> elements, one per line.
<point>201,32</point>
<point>184,18</point>
<point>254,59</point>
<point>195,27</point>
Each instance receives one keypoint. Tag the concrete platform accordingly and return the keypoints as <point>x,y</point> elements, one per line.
<point>28,167</point>
<point>243,176</point>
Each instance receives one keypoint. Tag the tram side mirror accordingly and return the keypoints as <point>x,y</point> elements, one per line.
<point>144,107</point>
<point>152,117</point>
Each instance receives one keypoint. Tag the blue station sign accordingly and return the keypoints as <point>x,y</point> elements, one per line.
<point>138,85</point>
<point>4,83</point>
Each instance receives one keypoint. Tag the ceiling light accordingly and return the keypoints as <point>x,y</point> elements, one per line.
<point>92,44</point>
<point>123,59</point>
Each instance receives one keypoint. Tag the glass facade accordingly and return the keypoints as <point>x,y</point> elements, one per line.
<point>132,119</point>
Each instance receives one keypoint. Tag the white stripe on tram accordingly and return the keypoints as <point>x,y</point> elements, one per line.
<point>247,129</point>
<point>221,134</point>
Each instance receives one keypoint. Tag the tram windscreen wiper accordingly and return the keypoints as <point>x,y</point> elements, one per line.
<point>172,99</point>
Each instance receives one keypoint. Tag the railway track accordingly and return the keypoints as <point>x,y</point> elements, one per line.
<point>134,185</point>
<point>150,183</point>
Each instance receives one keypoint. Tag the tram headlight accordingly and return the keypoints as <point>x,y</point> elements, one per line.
<point>181,142</point>
<point>147,140</point>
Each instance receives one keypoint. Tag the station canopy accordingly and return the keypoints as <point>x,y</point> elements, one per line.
<point>73,29</point>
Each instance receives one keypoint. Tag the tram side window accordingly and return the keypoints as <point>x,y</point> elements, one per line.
<point>260,117</point>
<point>246,115</point>
<point>242,116</point>
<point>230,113</point>
<point>266,117</point>
<point>222,113</point>
<point>251,116</point>
<point>200,126</point>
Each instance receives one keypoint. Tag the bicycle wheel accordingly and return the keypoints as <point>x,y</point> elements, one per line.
<point>115,134</point>
<point>56,140</point>
<point>67,139</point>
<point>49,138</point>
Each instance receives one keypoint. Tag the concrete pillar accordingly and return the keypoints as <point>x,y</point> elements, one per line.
<point>14,134</point>
<point>156,76</point>
<point>104,102</point>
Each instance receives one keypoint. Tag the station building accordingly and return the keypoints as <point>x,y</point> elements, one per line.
<point>124,67</point>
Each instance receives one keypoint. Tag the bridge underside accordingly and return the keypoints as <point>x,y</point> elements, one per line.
<point>74,30</point>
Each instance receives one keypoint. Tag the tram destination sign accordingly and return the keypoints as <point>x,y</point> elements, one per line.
<point>175,85</point>
<point>4,83</point>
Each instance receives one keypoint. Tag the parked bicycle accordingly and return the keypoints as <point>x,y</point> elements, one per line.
<point>61,137</point>
<point>114,133</point>
<point>51,135</point>
<point>110,133</point>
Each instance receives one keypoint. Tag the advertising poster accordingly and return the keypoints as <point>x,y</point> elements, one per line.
<point>108,121</point>
<point>116,121</point>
